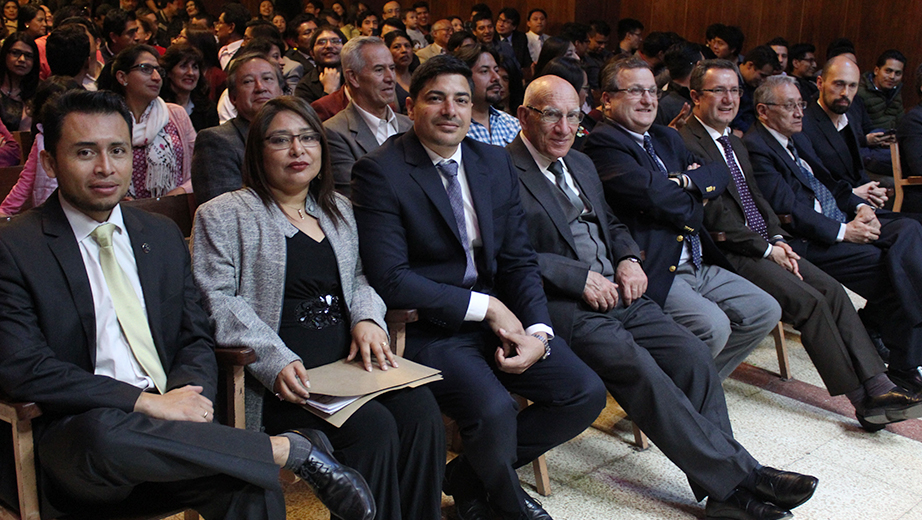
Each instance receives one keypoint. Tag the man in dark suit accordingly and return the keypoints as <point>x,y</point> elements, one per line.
<point>656,188</point>
<point>757,248</point>
<point>656,369</point>
<point>878,256</point>
<point>442,230</point>
<point>368,120</point>
<point>509,40</point>
<point>326,76</point>
<point>101,325</point>
<point>803,69</point>
<point>217,161</point>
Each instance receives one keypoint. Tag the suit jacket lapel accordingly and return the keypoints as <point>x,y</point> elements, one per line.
<point>63,245</point>
<point>363,135</point>
<point>832,137</point>
<point>427,176</point>
<point>781,152</point>
<point>149,265</point>
<point>714,153</point>
<point>478,182</point>
<point>595,198</point>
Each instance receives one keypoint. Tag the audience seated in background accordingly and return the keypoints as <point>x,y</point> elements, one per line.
<point>726,42</point>
<point>229,29</point>
<point>803,68</point>
<point>252,80</point>
<point>410,20</point>
<point>597,55</point>
<point>537,24</point>
<point>487,125</point>
<point>288,207</point>
<point>674,108</point>
<point>909,135</point>
<point>326,44</point>
<point>780,46</point>
<point>509,40</point>
<point>18,79</point>
<point>441,32</point>
<point>303,27</point>
<point>185,85</point>
<point>630,36</point>
<point>760,63</point>
<point>119,30</point>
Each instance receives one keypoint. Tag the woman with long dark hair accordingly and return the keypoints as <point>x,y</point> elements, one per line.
<point>185,85</point>
<point>203,40</point>
<point>401,47</point>
<point>32,20</point>
<point>18,79</point>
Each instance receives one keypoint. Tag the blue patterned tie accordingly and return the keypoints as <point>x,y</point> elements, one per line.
<point>822,193</point>
<point>693,239</point>
<point>449,169</point>
<point>754,219</point>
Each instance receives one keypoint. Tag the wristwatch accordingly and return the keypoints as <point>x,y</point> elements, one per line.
<point>547,345</point>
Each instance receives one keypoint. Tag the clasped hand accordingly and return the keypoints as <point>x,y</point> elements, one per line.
<point>518,350</point>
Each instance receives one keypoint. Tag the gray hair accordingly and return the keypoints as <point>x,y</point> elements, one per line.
<point>608,79</point>
<point>766,92</point>
<point>351,55</point>
<point>247,57</point>
<point>696,80</point>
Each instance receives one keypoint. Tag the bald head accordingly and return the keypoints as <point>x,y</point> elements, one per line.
<point>838,84</point>
<point>441,31</point>
<point>557,99</point>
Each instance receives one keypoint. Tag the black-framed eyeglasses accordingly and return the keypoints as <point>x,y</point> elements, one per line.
<point>16,54</point>
<point>721,92</point>
<point>552,116</point>
<point>284,141</point>
<point>147,69</point>
<point>637,92</point>
<point>789,106</point>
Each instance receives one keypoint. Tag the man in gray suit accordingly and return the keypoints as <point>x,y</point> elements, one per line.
<point>368,120</point>
<point>217,162</point>
<point>658,371</point>
<point>441,32</point>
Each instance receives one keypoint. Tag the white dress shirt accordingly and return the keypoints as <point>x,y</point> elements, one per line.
<point>535,42</point>
<point>114,357</point>
<point>382,128</point>
<point>227,52</point>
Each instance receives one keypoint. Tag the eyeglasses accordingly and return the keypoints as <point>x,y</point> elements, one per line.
<point>637,92</point>
<point>789,106</point>
<point>721,92</point>
<point>284,141</point>
<point>552,116</point>
<point>147,69</point>
<point>324,41</point>
<point>16,54</point>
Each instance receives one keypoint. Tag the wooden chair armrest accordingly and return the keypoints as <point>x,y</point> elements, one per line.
<point>401,316</point>
<point>235,356</point>
<point>23,411</point>
<point>785,218</point>
<point>915,180</point>
<point>718,236</point>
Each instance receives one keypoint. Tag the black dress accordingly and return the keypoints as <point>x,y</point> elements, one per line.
<point>396,441</point>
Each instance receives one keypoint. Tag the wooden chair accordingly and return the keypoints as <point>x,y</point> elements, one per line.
<point>899,181</point>
<point>178,208</point>
<point>397,320</point>
<point>9,175</point>
<point>25,140</point>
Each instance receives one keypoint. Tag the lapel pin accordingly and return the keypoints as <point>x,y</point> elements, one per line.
<point>145,247</point>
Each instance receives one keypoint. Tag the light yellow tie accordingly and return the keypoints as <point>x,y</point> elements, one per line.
<point>128,308</point>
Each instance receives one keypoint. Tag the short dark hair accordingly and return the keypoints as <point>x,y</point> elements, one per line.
<point>779,42</point>
<point>761,56</point>
<point>481,8</point>
<point>264,45</point>
<point>799,51</point>
<point>318,4</point>
<point>627,25</point>
<point>608,78</point>
<point>67,12</point>
<point>454,42</point>
<point>263,29</point>
<point>245,57</point>
<point>839,46</point>
<point>67,49</point>
<point>575,32</point>
<point>481,15</point>
<point>394,22</point>
<point>297,21</point>
<point>421,3</point>
<point>553,47</point>
<point>438,66</point>
<point>713,30</point>
<point>511,14</point>
<point>359,18</point>
<point>536,10</point>
<point>126,59</point>
<point>599,27</point>
<point>203,40</point>
<point>567,69</point>
<point>681,58</point>
<point>734,37</point>
<point>236,14</point>
<point>48,88</point>
<point>81,102</point>
<point>890,54</point>
<point>86,23</point>
<point>696,81</point>
<point>322,28</point>
<point>254,166</point>
<point>115,22</point>
<point>655,43</point>
<point>470,55</point>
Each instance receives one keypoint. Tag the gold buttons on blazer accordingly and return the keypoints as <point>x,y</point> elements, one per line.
<point>679,238</point>
<point>671,268</point>
<point>710,189</point>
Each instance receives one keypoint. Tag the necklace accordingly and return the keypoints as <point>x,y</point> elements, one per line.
<point>299,210</point>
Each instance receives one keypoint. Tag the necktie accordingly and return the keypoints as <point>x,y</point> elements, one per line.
<point>128,308</point>
<point>822,193</point>
<point>693,239</point>
<point>754,219</point>
<point>557,170</point>
<point>449,169</point>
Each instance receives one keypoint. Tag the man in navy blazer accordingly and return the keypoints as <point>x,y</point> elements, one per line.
<point>879,256</point>
<point>812,301</point>
<point>659,372</point>
<point>121,431</point>
<point>441,230</point>
<point>655,186</point>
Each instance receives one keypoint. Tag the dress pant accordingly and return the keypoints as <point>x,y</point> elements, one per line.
<point>566,395</point>
<point>730,314</point>
<point>888,273</point>
<point>396,441</point>
<point>819,308</point>
<point>108,461</point>
<point>664,378</point>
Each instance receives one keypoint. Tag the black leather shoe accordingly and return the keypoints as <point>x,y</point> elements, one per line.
<point>910,380</point>
<point>473,508</point>
<point>743,505</point>
<point>534,511</point>
<point>785,489</point>
<point>868,427</point>
<point>340,488</point>
<point>470,498</point>
<point>894,406</point>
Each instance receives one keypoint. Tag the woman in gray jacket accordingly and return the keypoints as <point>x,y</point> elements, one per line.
<point>278,266</point>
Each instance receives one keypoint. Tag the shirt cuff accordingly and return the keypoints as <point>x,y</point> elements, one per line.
<point>540,327</point>
<point>477,307</point>
<point>841,235</point>
<point>768,251</point>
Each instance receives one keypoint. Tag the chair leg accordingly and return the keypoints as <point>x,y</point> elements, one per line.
<point>236,405</point>
<point>640,438</point>
<point>542,478</point>
<point>784,364</point>
<point>24,454</point>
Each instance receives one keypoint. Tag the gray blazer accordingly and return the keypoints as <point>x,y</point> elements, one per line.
<point>238,261</point>
<point>350,139</point>
<point>217,161</point>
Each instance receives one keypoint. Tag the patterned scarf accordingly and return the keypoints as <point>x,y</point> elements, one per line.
<point>149,133</point>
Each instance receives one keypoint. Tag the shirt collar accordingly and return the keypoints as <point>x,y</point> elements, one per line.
<point>83,225</point>
<point>373,120</point>
<point>541,160</point>
<point>782,139</point>
<point>436,158</point>
<point>839,123</point>
<point>715,135</point>
<point>637,137</point>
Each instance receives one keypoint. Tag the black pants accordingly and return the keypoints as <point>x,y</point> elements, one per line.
<point>107,461</point>
<point>396,441</point>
